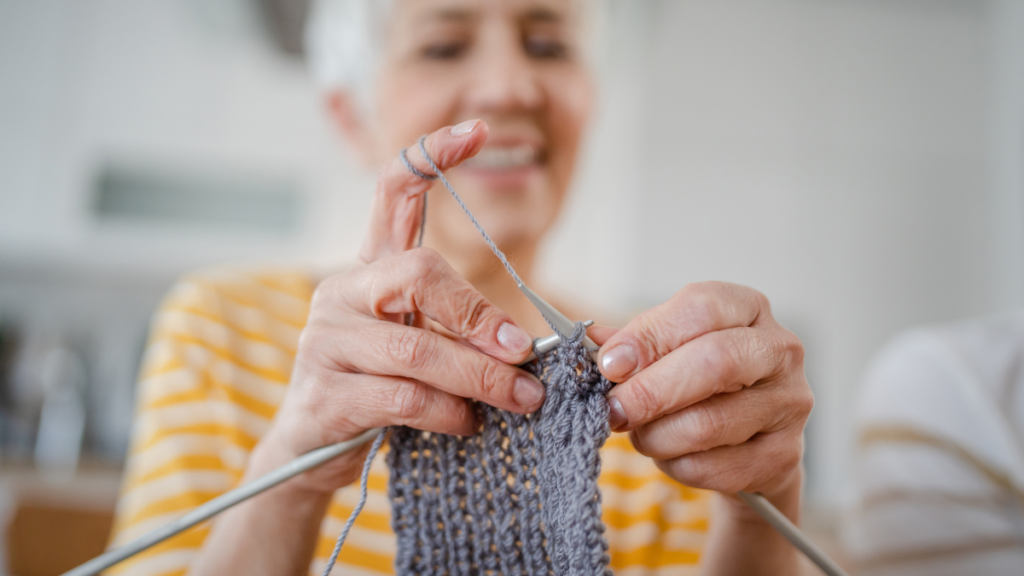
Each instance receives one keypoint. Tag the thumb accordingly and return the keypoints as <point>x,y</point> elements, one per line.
<point>398,198</point>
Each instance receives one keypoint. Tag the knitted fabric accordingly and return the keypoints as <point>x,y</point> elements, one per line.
<point>519,497</point>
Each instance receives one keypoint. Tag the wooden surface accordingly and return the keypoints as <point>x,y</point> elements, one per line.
<point>56,523</point>
<point>48,541</point>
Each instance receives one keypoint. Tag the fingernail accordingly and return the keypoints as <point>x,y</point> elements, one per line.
<point>514,339</point>
<point>464,127</point>
<point>527,392</point>
<point>616,417</point>
<point>619,361</point>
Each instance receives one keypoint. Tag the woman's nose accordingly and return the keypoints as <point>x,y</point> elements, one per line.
<point>505,79</point>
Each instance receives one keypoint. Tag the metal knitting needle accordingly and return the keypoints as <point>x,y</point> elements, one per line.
<point>319,456</point>
<point>564,327</point>
<point>548,343</point>
<point>221,503</point>
<point>784,526</point>
<point>301,464</point>
<point>560,322</point>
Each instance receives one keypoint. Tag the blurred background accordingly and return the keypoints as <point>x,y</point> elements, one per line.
<point>859,161</point>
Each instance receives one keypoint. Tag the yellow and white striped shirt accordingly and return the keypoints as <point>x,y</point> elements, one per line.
<point>218,363</point>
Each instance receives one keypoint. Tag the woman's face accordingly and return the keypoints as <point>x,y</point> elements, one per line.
<point>517,65</point>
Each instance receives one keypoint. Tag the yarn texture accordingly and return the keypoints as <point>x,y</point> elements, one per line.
<point>520,497</point>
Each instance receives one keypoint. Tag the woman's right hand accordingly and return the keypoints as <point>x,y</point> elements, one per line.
<point>358,366</point>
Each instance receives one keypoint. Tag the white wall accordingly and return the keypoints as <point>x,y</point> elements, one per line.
<point>1006,149</point>
<point>832,153</point>
<point>184,83</point>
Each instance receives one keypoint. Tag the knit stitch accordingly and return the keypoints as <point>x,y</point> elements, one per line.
<point>520,496</point>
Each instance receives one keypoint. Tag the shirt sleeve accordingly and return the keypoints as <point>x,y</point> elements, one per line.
<point>935,466</point>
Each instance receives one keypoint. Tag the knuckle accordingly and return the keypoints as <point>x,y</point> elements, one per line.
<point>691,471</point>
<point>644,400</point>
<point>311,345</point>
<point>408,401</point>
<point>763,304</point>
<point>640,439</point>
<point>793,349</point>
<point>805,401</point>
<point>770,354</point>
<point>792,455</point>
<point>719,359</point>
<point>321,347</point>
<point>705,427</point>
<point>701,305</point>
<point>409,348</point>
<point>782,354</point>
<point>732,480</point>
<point>423,264</point>
<point>476,312</point>
<point>326,291</point>
<point>429,257</point>
<point>754,302</point>
<point>781,458</point>
<point>653,337</point>
<point>491,378</point>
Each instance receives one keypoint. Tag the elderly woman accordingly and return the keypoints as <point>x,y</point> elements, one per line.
<point>248,369</point>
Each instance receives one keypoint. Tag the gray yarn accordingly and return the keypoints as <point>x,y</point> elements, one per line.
<point>374,448</point>
<point>519,497</point>
<point>472,218</point>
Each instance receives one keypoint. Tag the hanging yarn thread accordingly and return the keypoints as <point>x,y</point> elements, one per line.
<point>518,497</point>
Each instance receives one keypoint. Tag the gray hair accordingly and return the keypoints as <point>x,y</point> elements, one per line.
<point>344,40</point>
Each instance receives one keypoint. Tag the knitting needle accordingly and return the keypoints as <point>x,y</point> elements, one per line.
<point>563,327</point>
<point>221,503</point>
<point>548,343</point>
<point>227,500</point>
<point>321,455</point>
<point>784,526</point>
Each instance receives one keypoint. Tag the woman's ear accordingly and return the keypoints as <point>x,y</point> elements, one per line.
<point>347,117</point>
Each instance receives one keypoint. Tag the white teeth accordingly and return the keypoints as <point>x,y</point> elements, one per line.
<point>504,157</point>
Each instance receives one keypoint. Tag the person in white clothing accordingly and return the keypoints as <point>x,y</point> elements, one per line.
<point>941,453</point>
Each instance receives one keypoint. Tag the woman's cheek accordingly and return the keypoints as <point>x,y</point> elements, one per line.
<point>401,119</point>
<point>568,114</point>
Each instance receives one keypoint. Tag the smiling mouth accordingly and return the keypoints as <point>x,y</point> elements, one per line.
<point>505,157</point>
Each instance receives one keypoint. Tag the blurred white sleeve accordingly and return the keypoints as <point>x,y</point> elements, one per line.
<point>940,462</point>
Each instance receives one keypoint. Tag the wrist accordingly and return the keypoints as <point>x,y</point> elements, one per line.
<point>274,532</point>
<point>273,452</point>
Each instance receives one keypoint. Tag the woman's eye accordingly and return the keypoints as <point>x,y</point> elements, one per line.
<point>444,51</point>
<point>545,48</point>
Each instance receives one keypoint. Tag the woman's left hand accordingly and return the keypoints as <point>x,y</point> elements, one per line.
<point>713,389</point>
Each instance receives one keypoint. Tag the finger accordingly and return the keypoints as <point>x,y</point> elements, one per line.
<point>601,334</point>
<point>398,198</point>
<point>693,311</point>
<point>721,420</point>
<point>719,362</point>
<point>390,349</point>
<point>388,401</point>
<point>421,281</point>
<point>730,469</point>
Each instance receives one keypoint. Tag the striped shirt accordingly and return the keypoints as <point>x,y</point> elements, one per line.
<point>217,367</point>
<point>941,453</point>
